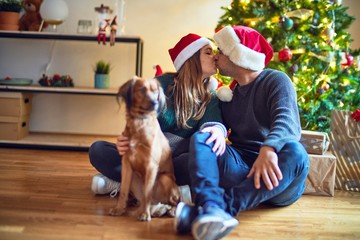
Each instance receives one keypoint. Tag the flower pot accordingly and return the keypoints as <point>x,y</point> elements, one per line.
<point>9,21</point>
<point>102,81</point>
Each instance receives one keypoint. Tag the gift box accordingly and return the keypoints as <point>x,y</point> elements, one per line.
<point>321,178</point>
<point>345,145</point>
<point>315,142</point>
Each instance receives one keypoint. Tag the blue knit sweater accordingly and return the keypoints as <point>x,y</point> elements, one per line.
<point>263,112</point>
<point>167,118</point>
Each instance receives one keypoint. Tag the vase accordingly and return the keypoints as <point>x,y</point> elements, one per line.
<point>9,21</point>
<point>102,81</point>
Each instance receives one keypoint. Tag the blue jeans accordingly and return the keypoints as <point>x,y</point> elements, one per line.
<point>223,179</point>
<point>105,159</point>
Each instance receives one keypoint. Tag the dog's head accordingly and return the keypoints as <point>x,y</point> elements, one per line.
<point>142,96</point>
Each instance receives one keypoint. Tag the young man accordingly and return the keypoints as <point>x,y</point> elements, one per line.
<point>265,162</point>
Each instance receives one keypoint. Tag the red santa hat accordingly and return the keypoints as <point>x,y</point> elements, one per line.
<point>185,48</point>
<point>244,46</point>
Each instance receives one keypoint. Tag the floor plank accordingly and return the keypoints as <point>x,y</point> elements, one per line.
<point>46,194</point>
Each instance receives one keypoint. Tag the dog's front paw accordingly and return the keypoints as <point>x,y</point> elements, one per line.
<point>145,217</point>
<point>171,212</point>
<point>116,211</point>
<point>159,209</point>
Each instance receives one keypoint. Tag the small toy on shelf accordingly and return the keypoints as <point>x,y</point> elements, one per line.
<point>113,29</point>
<point>31,19</point>
<point>103,22</point>
<point>56,81</point>
<point>102,31</point>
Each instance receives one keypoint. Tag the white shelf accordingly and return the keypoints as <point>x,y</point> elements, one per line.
<point>66,90</point>
<point>57,141</point>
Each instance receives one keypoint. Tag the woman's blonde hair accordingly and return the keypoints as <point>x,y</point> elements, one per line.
<point>190,91</point>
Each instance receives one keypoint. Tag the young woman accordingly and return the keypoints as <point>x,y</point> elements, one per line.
<point>191,107</point>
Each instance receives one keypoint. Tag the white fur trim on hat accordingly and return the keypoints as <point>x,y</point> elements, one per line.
<point>229,43</point>
<point>190,50</point>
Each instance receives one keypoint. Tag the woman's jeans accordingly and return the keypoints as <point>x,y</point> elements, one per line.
<point>223,179</point>
<point>105,158</point>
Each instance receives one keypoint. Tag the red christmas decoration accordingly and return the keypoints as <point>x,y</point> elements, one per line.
<point>356,115</point>
<point>285,55</point>
<point>349,60</point>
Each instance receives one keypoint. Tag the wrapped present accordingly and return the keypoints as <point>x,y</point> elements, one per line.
<point>321,178</point>
<point>315,142</point>
<point>345,145</point>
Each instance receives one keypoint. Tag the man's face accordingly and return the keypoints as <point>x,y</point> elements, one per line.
<point>223,63</point>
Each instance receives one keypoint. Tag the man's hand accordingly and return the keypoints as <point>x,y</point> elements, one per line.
<point>122,144</point>
<point>216,136</point>
<point>266,168</point>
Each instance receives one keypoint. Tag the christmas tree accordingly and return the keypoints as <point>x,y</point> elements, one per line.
<point>312,46</point>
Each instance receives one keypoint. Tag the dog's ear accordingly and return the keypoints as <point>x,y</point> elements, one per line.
<point>125,92</point>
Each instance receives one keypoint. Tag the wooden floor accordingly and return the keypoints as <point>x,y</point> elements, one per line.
<point>46,195</point>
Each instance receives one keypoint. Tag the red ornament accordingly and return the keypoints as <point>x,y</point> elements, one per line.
<point>285,55</point>
<point>356,115</point>
<point>349,60</point>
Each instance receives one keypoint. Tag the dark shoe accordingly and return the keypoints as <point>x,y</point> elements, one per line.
<point>184,217</point>
<point>213,223</point>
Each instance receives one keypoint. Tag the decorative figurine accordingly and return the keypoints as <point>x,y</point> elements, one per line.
<point>103,22</point>
<point>113,28</point>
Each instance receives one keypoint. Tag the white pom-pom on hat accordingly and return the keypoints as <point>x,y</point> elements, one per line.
<point>224,93</point>
<point>213,84</point>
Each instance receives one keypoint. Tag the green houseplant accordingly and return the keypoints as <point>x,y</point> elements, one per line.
<point>10,14</point>
<point>102,74</point>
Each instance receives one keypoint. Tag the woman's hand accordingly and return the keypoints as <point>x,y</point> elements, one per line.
<point>266,168</point>
<point>122,144</point>
<point>216,136</point>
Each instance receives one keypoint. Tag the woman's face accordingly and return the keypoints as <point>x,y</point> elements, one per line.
<point>207,60</point>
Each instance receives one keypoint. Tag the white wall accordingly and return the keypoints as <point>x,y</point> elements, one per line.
<point>159,23</point>
<point>354,10</point>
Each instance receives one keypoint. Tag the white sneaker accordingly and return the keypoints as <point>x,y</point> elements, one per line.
<point>185,194</point>
<point>104,185</point>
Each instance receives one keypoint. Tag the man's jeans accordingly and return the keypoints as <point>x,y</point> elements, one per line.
<point>224,179</point>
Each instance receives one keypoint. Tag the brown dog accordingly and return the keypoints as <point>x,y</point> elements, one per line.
<point>147,168</point>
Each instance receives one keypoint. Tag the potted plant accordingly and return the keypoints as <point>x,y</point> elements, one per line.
<point>102,77</point>
<point>9,14</point>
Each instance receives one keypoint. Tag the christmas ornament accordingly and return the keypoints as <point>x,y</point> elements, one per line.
<point>322,118</point>
<point>316,19</point>
<point>356,115</point>
<point>287,23</point>
<point>320,91</point>
<point>294,68</point>
<point>348,61</point>
<point>285,55</point>
<point>325,86</point>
